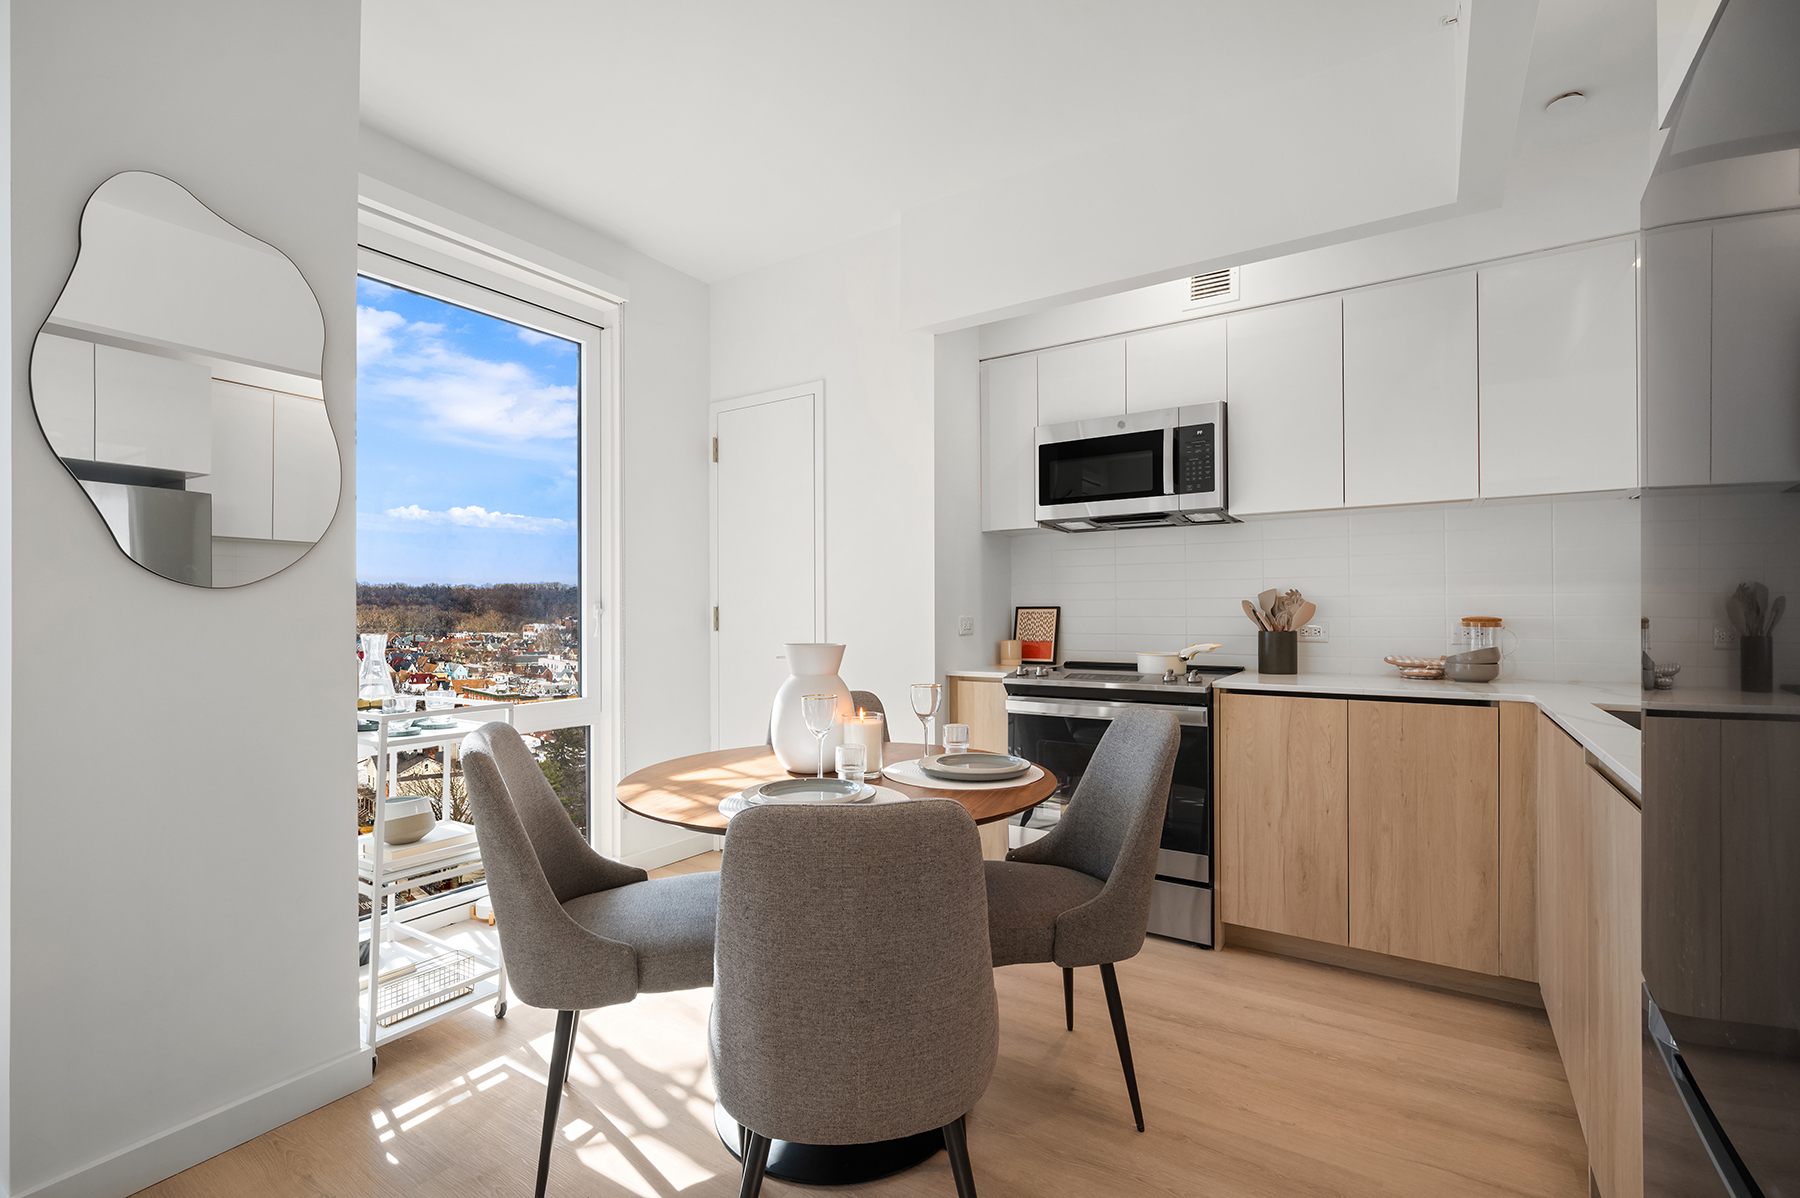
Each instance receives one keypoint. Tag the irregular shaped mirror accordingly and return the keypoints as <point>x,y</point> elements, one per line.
<point>178,378</point>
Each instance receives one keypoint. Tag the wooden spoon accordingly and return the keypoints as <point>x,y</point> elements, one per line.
<point>1255,616</point>
<point>1304,616</point>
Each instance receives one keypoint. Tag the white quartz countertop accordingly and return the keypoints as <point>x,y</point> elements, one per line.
<point>994,672</point>
<point>1577,707</point>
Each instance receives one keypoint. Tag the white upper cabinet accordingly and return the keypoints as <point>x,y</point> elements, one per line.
<point>1411,417</point>
<point>1286,418</point>
<point>1756,349</point>
<point>1559,373</point>
<point>1678,356</point>
<point>62,390</point>
<point>1009,420</point>
<point>1175,366</point>
<point>152,411</point>
<point>242,481</point>
<point>305,468</point>
<point>1081,382</point>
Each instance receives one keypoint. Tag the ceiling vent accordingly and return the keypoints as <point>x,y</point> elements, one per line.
<point>1216,287</point>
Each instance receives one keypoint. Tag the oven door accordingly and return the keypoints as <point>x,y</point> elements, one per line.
<point>1061,736</point>
<point>1118,466</point>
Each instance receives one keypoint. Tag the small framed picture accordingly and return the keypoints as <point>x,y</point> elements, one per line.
<point>1035,630</point>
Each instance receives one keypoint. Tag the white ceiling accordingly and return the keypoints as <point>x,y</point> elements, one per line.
<point>720,137</point>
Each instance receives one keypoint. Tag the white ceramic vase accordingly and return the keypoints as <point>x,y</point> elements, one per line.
<point>813,671</point>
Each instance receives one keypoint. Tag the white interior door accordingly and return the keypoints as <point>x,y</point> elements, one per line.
<point>768,537</point>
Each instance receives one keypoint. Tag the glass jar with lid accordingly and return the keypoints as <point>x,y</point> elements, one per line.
<point>1476,632</point>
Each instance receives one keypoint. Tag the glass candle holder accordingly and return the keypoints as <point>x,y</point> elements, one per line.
<point>868,729</point>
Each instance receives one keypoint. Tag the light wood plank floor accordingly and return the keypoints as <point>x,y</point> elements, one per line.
<point>1260,1076</point>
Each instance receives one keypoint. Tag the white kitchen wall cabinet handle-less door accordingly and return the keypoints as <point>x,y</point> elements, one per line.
<point>1081,382</point>
<point>768,546</point>
<point>1286,373</point>
<point>1009,420</point>
<point>1411,420</point>
<point>1756,349</point>
<point>1558,336</point>
<point>1177,365</point>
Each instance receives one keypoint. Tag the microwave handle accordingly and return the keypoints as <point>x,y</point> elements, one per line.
<point>1170,434</point>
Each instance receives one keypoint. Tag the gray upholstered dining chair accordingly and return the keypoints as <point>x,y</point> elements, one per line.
<point>854,997</point>
<point>577,930</point>
<point>1081,895</point>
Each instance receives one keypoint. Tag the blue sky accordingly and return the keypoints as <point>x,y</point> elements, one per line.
<point>467,442</point>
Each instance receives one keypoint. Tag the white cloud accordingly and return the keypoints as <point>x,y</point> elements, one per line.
<point>458,396</point>
<point>475,516</point>
<point>375,332</point>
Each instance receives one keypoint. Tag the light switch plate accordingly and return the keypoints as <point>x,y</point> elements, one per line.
<point>965,626</point>
<point>1724,638</point>
<point>1318,634</point>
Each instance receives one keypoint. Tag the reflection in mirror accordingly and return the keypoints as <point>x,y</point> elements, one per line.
<point>178,378</point>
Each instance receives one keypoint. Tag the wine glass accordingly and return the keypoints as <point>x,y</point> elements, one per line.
<point>925,699</point>
<point>820,713</point>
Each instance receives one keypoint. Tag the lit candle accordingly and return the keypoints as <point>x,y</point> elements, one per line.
<point>865,729</point>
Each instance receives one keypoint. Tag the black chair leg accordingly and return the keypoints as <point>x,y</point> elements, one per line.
<point>559,1074</point>
<point>756,1159</point>
<point>1069,997</point>
<point>956,1143</point>
<point>1117,1010</point>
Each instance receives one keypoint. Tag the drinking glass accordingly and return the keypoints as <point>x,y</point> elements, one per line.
<point>820,713</point>
<point>393,703</point>
<point>925,699</point>
<point>956,738</point>
<point>438,700</point>
<point>851,762</point>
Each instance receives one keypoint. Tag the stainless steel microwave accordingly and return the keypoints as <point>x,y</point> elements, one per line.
<point>1134,471</point>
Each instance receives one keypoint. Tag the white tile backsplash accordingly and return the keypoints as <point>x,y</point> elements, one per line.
<point>1563,574</point>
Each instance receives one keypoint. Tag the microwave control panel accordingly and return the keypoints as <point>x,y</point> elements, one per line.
<point>1194,459</point>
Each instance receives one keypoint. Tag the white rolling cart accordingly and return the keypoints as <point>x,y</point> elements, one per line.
<point>444,979</point>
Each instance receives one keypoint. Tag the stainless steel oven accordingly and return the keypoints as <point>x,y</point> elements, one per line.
<point>1135,470</point>
<point>1057,721</point>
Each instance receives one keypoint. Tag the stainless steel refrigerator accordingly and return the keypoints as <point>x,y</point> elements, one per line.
<point>1721,764</point>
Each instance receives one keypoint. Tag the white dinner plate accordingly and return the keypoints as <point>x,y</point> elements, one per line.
<point>973,767</point>
<point>809,790</point>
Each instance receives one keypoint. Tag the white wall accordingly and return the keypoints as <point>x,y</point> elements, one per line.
<point>973,570</point>
<point>1563,575</point>
<point>663,398</point>
<point>153,800</point>
<point>835,315</point>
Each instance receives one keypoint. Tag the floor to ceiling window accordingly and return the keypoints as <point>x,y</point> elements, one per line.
<point>470,513</point>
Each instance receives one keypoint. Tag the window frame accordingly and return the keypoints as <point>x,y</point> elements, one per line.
<point>450,271</point>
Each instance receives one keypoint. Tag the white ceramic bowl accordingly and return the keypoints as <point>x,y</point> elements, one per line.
<point>409,819</point>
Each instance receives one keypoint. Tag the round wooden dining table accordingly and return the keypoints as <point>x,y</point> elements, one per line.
<point>687,792</point>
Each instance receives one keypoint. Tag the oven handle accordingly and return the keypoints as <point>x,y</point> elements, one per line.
<point>1192,716</point>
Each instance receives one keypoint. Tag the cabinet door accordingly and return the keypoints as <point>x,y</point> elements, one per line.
<point>151,411</point>
<point>981,704</point>
<point>305,491</point>
<point>1282,815</point>
<point>1175,366</point>
<point>1424,832</point>
<point>1558,342</point>
<point>1678,356</point>
<point>242,478</point>
<point>1519,840</point>
<point>1565,901</point>
<point>1411,421</point>
<point>1081,382</point>
<point>62,392</point>
<point>1287,408</point>
<point>1009,420</point>
<point>1756,350</point>
<point>1614,1119</point>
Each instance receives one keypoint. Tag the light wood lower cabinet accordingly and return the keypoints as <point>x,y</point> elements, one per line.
<point>1282,814</point>
<point>1589,838</point>
<point>1424,832</point>
<point>981,704</point>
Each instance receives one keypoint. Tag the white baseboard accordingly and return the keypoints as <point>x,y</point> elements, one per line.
<point>162,1156</point>
<point>691,845</point>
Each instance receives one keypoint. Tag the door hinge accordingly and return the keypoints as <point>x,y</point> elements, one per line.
<point>715,449</point>
<point>715,619</point>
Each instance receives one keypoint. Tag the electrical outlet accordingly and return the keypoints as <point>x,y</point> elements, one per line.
<point>1318,634</point>
<point>965,626</point>
<point>1723,637</point>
